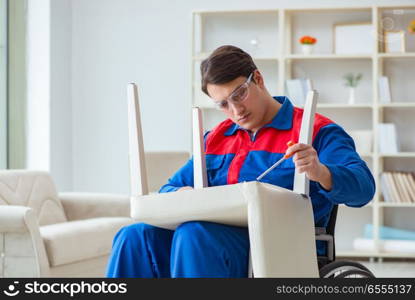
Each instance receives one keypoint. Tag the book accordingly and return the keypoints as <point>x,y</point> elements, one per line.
<point>388,233</point>
<point>399,187</point>
<point>411,180</point>
<point>403,189</point>
<point>384,90</point>
<point>393,188</point>
<point>409,188</point>
<point>385,188</point>
<point>388,142</point>
<point>297,90</point>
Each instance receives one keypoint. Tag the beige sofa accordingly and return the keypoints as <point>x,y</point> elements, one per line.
<point>46,234</point>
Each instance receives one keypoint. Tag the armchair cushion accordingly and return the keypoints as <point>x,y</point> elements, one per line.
<point>32,189</point>
<point>80,206</point>
<point>79,240</point>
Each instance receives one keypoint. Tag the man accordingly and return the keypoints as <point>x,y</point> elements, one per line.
<point>254,137</point>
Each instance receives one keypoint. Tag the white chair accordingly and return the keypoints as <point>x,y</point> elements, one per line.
<point>280,221</point>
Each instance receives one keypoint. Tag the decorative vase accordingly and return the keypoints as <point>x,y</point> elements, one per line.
<point>352,98</point>
<point>307,48</point>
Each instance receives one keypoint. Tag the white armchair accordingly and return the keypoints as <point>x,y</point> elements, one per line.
<point>43,234</point>
<point>46,234</point>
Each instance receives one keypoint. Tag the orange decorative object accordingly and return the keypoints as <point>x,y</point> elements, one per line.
<point>308,40</point>
<point>411,27</point>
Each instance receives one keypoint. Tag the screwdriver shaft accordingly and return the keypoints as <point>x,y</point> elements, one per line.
<point>271,168</point>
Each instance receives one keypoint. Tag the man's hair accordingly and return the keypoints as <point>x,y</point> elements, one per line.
<point>225,64</point>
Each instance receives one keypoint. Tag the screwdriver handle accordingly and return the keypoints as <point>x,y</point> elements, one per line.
<point>289,144</point>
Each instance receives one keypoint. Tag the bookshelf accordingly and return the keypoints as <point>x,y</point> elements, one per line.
<point>271,37</point>
<point>401,154</point>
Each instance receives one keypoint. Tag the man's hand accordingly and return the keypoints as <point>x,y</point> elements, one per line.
<point>306,160</point>
<point>185,188</point>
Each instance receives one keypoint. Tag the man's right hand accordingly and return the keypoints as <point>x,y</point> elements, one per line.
<point>185,188</point>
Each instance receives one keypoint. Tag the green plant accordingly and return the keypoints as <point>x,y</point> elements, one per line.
<point>352,80</point>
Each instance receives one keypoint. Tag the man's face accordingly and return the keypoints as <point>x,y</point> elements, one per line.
<point>249,113</point>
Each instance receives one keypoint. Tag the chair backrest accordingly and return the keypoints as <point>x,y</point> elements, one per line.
<point>199,159</point>
<point>148,170</point>
<point>331,226</point>
<point>301,181</point>
<point>33,189</point>
<point>138,171</point>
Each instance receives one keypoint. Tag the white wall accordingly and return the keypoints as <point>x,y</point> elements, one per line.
<point>49,101</point>
<point>61,158</point>
<point>38,85</point>
<point>116,42</point>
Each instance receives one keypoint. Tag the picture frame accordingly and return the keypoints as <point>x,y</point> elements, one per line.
<point>353,38</point>
<point>394,41</point>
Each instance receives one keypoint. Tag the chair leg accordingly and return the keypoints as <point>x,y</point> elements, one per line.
<point>250,270</point>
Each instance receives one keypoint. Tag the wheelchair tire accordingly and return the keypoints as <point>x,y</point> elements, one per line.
<point>355,274</point>
<point>333,269</point>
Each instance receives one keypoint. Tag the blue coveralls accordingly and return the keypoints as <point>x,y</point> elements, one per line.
<point>205,249</point>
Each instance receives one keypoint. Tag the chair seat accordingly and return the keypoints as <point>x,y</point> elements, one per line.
<point>78,240</point>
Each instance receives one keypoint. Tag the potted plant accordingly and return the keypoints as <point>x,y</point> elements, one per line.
<point>307,43</point>
<point>352,80</point>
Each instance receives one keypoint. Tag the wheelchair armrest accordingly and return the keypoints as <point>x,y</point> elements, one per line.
<point>330,244</point>
<point>320,230</point>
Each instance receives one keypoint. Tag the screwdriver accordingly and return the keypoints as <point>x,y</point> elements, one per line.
<point>289,144</point>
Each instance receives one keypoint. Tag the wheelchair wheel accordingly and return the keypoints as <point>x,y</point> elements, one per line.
<point>355,274</point>
<point>334,269</point>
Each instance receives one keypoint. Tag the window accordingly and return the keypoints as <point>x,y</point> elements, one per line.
<point>3,84</point>
<point>16,83</point>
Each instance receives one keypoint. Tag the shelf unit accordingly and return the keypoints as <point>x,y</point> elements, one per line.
<point>271,37</point>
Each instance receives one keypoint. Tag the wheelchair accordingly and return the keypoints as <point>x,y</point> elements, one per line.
<point>328,266</point>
